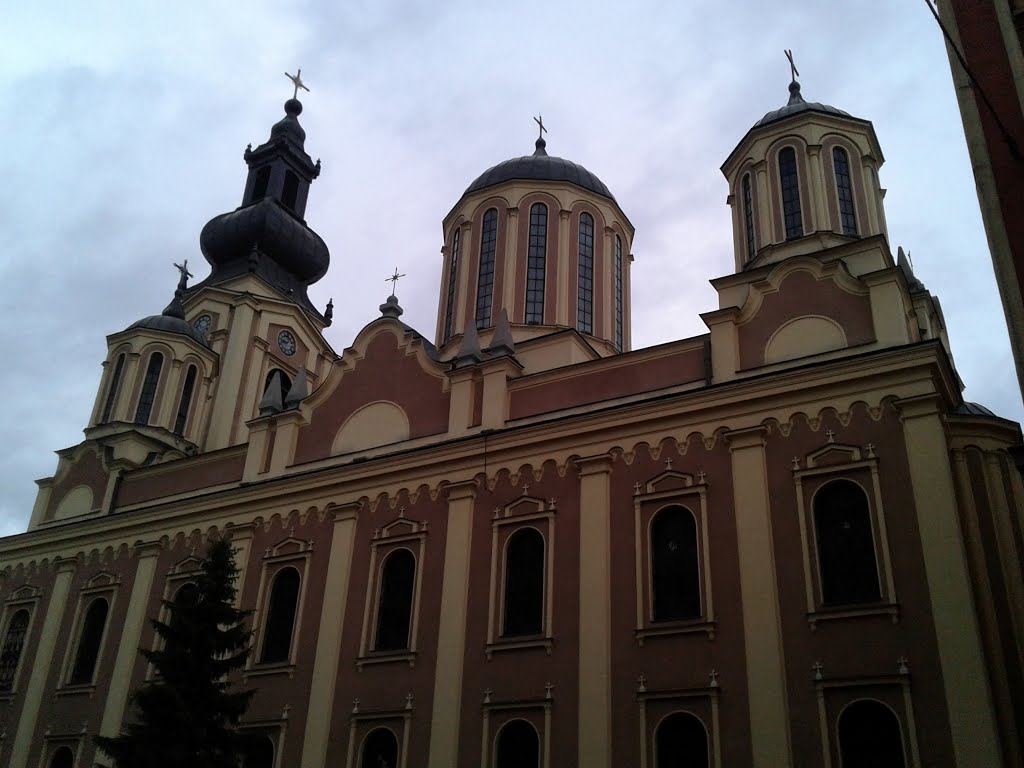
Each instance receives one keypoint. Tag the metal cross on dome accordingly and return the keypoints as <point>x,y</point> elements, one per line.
<point>297,82</point>
<point>539,120</point>
<point>394,280</point>
<point>793,71</point>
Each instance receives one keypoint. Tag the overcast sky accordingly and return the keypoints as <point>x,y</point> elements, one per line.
<point>123,126</point>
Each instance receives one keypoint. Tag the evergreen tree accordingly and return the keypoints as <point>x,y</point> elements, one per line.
<point>187,713</point>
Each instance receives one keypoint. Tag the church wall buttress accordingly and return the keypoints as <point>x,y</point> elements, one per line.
<point>227,404</point>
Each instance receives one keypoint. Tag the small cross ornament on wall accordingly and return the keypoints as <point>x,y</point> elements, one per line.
<point>526,488</point>
<point>796,462</point>
<point>817,667</point>
<point>547,690</point>
<point>487,695</point>
<point>830,435</point>
<point>636,489</point>
<point>641,683</point>
<point>713,674</point>
<point>668,463</point>
<point>701,476</point>
<point>902,661</point>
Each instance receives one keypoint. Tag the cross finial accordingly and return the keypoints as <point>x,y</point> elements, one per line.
<point>668,463</point>
<point>526,488</point>
<point>539,120</point>
<point>641,683</point>
<point>297,82</point>
<point>355,706</point>
<point>487,695</point>
<point>793,71</point>
<point>830,435</point>
<point>701,476</point>
<point>547,689</point>
<point>713,674</point>
<point>870,448</point>
<point>184,275</point>
<point>903,668</point>
<point>796,462</point>
<point>636,489</point>
<point>408,700</point>
<point>817,667</point>
<point>401,511</point>
<point>394,280</point>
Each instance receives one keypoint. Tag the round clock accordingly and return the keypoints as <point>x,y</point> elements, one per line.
<point>286,343</point>
<point>203,323</point>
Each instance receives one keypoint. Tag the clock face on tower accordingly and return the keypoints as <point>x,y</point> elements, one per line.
<point>286,343</point>
<point>203,323</point>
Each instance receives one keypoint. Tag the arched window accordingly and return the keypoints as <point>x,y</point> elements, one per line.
<point>89,640</point>
<point>790,194</point>
<point>149,384</point>
<point>394,608</point>
<point>846,544</point>
<point>536,263</point>
<point>518,746</point>
<point>259,753</point>
<point>63,758</point>
<point>585,284</point>
<point>844,189</point>
<point>115,385</point>
<point>618,293</point>
<point>748,216</point>
<point>453,272</point>
<point>380,749</point>
<point>675,566</point>
<point>281,610</point>
<point>485,282</point>
<point>524,583</point>
<point>681,740</point>
<point>10,653</point>
<point>870,736</point>
<point>187,595</point>
<point>259,187</point>
<point>186,400</point>
<point>290,191</point>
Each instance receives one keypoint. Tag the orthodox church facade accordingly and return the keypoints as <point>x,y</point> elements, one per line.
<point>787,541</point>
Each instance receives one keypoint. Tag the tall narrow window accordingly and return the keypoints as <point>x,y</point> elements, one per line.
<point>748,216</point>
<point>63,758</point>
<point>846,545</point>
<point>89,641</point>
<point>453,271</point>
<point>536,262</point>
<point>380,749</point>
<point>618,293</point>
<point>262,183</point>
<point>681,740</point>
<point>259,753</point>
<point>790,194</point>
<point>290,191</point>
<point>115,385</point>
<point>394,610</point>
<point>844,189</point>
<point>518,746</point>
<point>186,596</point>
<point>870,736</point>
<point>675,568</point>
<point>281,610</point>
<point>186,400</point>
<point>149,384</point>
<point>485,283</point>
<point>10,653</point>
<point>524,583</point>
<point>585,286</point>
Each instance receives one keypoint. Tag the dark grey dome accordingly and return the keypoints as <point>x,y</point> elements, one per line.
<point>170,324</point>
<point>540,166</point>
<point>796,106</point>
<point>974,409</point>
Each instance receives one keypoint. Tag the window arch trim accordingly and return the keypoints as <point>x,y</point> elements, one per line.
<point>542,747</point>
<point>290,552</point>
<point>401,744</point>
<point>652,591</point>
<point>14,611</point>
<point>872,529</point>
<point>151,386</point>
<point>521,531</point>
<point>844,189</point>
<point>709,741</point>
<point>896,688</point>
<point>538,231</point>
<point>791,197</point>
<point>486,269</point>
<point>89,601</point>
<point>585,274</point>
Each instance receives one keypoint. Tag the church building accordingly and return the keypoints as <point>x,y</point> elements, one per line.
<point>519,542</point>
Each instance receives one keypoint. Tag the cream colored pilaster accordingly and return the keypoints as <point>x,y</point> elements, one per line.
<point>725,354</point>
<point>739,250</point>
<point>762,631</point>
<point>328,639</point>
<point>508,297</point>
<point>461,410</point>
<point>256,449</point>
<point>128,643</point>
<point>451,631</point>
<point>230,382</point>
<point>595,705</point>
<point>818,206</point>
<point>764,206</point>
<point>870,182</point>
<point>42,500</point>
<point>888,310</point>
<point>439,334</point>
<point>497,372</point>
<point>283,452</point>
<point>1010,558</point>
<point>565,310</point>
<point>968,697</point>
<point>627,302</point>
<point>123,400</point>
<point>42,663</point>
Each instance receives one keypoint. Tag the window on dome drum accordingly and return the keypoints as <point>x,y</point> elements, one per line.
<point>790,193</point>
<point>675,566</point>
<point>870,736</point>
<point>186,400</point>
<point>485,283</point>
<point>259,753</point>
<point>286,382</point>
<point>282,608</point>
<point>681,739</point>
<point>290,191</point>
<point>394,608</point>
<point>845,191</point>
<point>585,286</point>
<point>380,748</point>
<point>518,745</point>
<point>748,216</point>
<point>536,262</point>
<point>62,758</point>
<point>618,293</point>
<point>10,652</point>
<point>453,271</point>
<point>846,544</point>
<point>90,639</point>
<point>115,385</point>
<point>262,183</point>
<point>149,385</point>
<point>524,584</point>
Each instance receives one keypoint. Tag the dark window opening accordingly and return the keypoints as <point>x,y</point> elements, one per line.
<point>63,758</point>
<point>259,753</point>
<point>844,188</point>
<point>186,596</point>
<point>846,545</point>
<point>149,384</point>
<point>618,293</point>
<point>681,740</point>
<point>115,385</point>
<point>585,287</point>
<point>485,283</point>
<point>870,736</point>
<point>262,183</point>
<point>89,641</point>
<point>394,610</point>
<point>675,565</point>
<point>290,192</point>
<point>453,271</point>
<point>186,400</point>
<point>524,583</point>
<point>380,750</point>
<point>10,653</point>
<point>748,216</point>
<point>280,625</point>
<point>536,263</point>
<point>790,194</point>
<point>518,746</point>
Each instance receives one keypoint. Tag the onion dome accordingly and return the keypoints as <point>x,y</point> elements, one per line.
<point>172,319</point>
<point>796,105</point>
